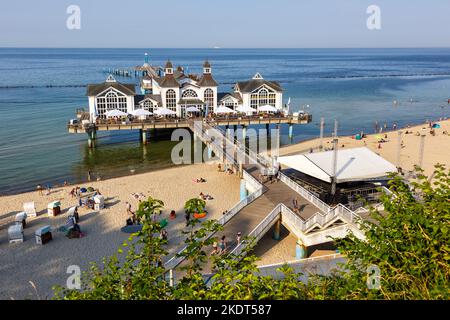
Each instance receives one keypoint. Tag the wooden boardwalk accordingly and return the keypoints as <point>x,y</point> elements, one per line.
<point>250,216</point>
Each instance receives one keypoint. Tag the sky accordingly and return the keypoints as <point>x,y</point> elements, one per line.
<point>225,24</point>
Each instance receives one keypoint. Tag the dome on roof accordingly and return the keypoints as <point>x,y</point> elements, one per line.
<point>169,64</point>
<point>206,64</point>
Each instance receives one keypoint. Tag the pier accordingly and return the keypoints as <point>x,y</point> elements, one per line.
<point>84,126</point>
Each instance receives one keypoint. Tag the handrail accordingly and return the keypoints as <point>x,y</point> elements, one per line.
<point>258,229</point>
<point>176,259</point>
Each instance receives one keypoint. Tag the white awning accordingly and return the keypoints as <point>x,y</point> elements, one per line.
<point>164,112</point>
<point>192,109</point>
<point>356,164</point>
<point>141,112</point>
<point>115,113</point>
<point>245,109</point>
<point>223,110</point>
<point>267,108</point>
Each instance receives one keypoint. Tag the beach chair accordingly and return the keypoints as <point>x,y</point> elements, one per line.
<point>29,209</point>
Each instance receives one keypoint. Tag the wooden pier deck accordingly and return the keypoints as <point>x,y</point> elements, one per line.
<point>185,123</point>
<point>250,216</point>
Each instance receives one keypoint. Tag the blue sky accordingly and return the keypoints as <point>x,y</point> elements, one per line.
<point>227,24</point>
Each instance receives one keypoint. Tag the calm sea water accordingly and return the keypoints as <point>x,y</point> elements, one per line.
<point>41,88</point>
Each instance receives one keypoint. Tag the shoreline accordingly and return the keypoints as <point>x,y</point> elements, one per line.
<point>295,146</point>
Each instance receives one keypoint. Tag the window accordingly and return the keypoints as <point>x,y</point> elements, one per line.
<point>189,93</point>
<point>209,97</point>
<point>262,97</point>
<point>109,101</point>
<point>147,105</point>
<point>171,100</point>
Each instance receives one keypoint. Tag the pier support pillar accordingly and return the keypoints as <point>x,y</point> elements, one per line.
<point>241,170</point>
<point>90,143</point>
<point>300,250</point>
<point>92,135</point>
<point>277,230</point>
<point>244,133</point>
<point>144,136</point>
<point>291,131</point>
<point>267,128</point>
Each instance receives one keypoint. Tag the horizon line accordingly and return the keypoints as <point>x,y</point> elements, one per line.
<point>224,48</point>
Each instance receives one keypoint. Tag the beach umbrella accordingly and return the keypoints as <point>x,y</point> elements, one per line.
<point>224,110</point>
<point>141,112</point>
<point>267,108</point>
<point>192,109</point>
<point>115,113</point>
<point>165,112</point>
<point>245,109</point>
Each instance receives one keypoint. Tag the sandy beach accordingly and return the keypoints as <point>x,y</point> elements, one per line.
<point>46,265</point>
<point>436,149</point>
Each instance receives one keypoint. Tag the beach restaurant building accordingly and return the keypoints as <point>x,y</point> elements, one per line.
<point>177,91</point>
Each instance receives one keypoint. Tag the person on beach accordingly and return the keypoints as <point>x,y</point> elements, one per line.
<point>72,193</point>
<point>222,245</point>
<point>128,207</point>
<point>164,234</point>
<point>40,190</point>
<point>215,248</point>
<point>89,175</point>
<point>49,190</point>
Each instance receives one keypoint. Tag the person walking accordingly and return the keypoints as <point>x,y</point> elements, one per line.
<point>222,245</point>
<point>238,237</point>
<point>187,216</point>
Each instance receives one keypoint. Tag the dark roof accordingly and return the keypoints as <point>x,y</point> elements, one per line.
<point>207,64</point>
<point>169,64</point>
<point>222,95</point>
<point>139,98</point>
<point>207,81</point>
<point>95,89</point>
<point>169,81</point>
<point>251,85</point>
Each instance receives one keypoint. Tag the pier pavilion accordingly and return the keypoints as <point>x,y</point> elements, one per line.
<point>177,91</point>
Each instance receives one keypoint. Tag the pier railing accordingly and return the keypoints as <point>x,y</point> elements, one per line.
<point>203,134</point>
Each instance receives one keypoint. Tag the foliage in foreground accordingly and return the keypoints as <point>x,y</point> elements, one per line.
<point>409,245</point>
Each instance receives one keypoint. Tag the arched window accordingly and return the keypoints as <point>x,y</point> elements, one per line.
<point>171,100</point>
<point>147,105</point>
<point>262,97</point>
<point>189,93</point>
<point>208,97</point>
<point>109,101</point>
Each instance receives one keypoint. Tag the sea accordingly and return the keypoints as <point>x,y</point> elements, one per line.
<point>40,89</point>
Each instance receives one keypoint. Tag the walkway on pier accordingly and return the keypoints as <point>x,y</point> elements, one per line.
<point>247,219</point>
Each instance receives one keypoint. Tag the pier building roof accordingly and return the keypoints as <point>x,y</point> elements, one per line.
<point>257,82</point>
<point>207,81</point>
<point>169,81</point>
<point>95,89</point>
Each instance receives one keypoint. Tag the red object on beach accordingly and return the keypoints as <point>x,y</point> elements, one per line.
<point>199,215</point>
